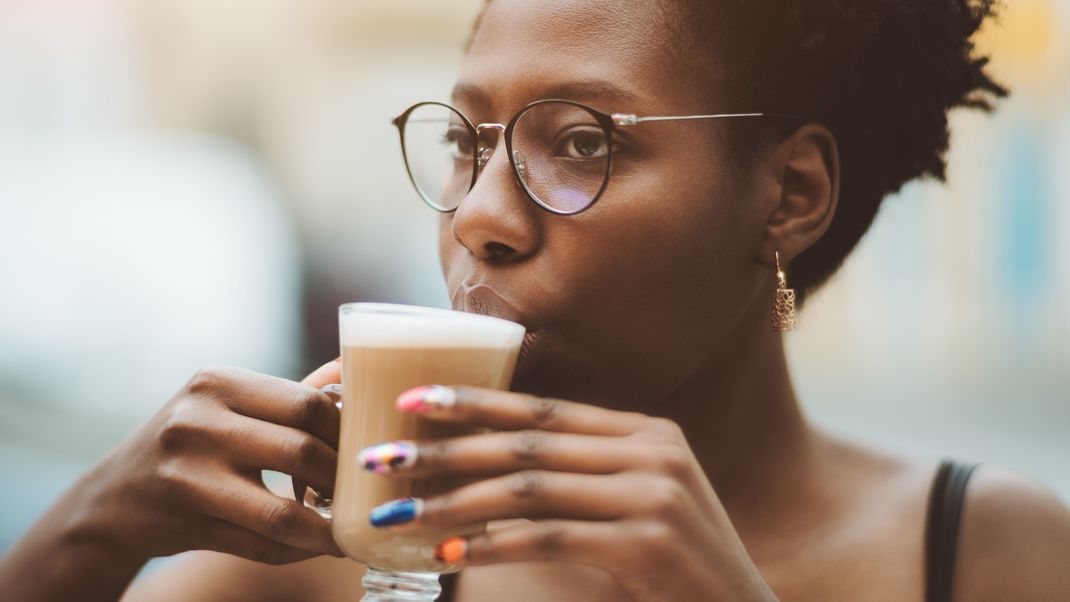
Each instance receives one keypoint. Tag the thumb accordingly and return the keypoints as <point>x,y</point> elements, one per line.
<point>327,374</point>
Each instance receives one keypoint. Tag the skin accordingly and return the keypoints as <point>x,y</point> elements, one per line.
<point>673,462</point>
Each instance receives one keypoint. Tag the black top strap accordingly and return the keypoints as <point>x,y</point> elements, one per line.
<point>942,528</point>
<point>449,587</point>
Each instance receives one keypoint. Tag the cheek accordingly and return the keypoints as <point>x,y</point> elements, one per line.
<point>448,248</point>
<point>671,235</point>
<point>666,262</point>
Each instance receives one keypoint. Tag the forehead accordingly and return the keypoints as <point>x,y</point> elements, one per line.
<point>613,54</point>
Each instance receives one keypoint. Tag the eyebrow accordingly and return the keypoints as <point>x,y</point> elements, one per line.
<point>580,90</point>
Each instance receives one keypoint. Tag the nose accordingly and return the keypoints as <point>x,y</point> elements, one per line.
<point>497,221</point>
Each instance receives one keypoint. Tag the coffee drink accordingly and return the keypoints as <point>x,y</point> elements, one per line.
<point>387,350</point>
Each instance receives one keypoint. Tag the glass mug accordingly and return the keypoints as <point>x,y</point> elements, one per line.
<point>386,350</point>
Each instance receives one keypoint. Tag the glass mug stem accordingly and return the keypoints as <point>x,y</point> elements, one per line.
<point>379,585</point>
<point>398,586</point>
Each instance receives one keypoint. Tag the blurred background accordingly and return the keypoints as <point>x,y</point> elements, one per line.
<point>185,182</point>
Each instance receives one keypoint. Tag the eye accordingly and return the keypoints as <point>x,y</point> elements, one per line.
<point>458,140</point>
<point>583,144</point>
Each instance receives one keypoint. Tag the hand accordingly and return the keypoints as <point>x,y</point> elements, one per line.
<point>191,477</point>
<point>619,491</point>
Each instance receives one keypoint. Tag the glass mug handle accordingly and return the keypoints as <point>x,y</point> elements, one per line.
<point>302,492</point>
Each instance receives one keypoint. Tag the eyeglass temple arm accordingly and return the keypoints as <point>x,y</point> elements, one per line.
<point>626,119</point>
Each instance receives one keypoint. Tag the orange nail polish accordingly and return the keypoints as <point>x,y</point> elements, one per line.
<point>451,550</point>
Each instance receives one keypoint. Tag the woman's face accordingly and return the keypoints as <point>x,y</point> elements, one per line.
<point>631,298</point>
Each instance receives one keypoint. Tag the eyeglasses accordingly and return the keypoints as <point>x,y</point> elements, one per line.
<point>561,151</point>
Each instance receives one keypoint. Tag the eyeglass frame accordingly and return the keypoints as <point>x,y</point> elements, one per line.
<point>609,122</point>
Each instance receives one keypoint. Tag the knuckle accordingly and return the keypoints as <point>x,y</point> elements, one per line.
<point>550,539</point>
<point>303,452</point>
<point>172,479</point>
<point>665,429</point>
<point>544,410</point>
<point>665,498</point>
<point>209,380</point>
<point>674,461</point>
<point>528,446</point>
<point>310,407</point>
<point>180,428</point>
<point>655,537</point>
<point>527,484</point>
<point>280,519</point>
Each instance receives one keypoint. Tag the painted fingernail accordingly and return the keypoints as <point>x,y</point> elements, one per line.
<point>388,457</point>
<point>422,399</point>
<point>452,550</point>
<point>396,512</point>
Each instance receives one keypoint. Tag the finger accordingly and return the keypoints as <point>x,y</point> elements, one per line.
<point>503,452</point>
<point>327,374</point>
<point>506,411</point>
<point>258,445</point>
<point>237,541</point>
<point>241,502</point>
<point>527,494</point>
<point>272,399</point>
<point>553,540</point>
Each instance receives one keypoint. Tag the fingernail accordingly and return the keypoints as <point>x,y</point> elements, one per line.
<point>421,399</point>
<point>396,512</point>
<point>388,457</point>
<point>451,550</point>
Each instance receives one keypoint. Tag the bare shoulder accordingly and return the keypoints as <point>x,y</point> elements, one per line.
<point>213,576</point>
<point>1014,540</point>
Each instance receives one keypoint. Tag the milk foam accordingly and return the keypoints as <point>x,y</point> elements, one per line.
<point>383,325</point>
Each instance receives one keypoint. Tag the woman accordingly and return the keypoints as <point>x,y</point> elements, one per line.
<point>682,468</point>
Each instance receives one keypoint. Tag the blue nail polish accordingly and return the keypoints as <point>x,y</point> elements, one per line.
<point>395,512</point>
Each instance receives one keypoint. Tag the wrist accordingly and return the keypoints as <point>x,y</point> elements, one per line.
<point>89,538</point>
<point>70,553</point>
<point>99,522</point>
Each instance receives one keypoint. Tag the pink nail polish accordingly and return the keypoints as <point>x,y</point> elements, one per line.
<point>423,399</point>
<point>388,457</point>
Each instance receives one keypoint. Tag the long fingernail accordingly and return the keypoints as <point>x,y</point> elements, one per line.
<point>396,512</point>
<point>422,399</point>
<point>388,457</point>
<point>452,550</point>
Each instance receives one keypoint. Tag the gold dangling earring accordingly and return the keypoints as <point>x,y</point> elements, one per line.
<point>783,301</point>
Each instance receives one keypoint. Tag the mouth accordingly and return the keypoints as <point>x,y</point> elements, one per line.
<point>484,300</point>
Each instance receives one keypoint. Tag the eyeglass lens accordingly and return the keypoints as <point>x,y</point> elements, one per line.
<point>560,151</point>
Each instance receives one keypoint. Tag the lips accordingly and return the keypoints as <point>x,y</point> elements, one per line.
<point>484,300</point>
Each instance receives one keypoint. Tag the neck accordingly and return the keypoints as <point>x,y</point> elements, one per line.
<point>741,417</point>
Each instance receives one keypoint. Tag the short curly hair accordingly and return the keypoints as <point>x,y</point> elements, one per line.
<point>880,74</point>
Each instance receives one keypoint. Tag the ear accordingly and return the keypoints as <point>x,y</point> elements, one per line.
<point>807,166</point>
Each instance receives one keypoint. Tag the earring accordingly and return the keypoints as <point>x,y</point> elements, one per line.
<point>783,301</point>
